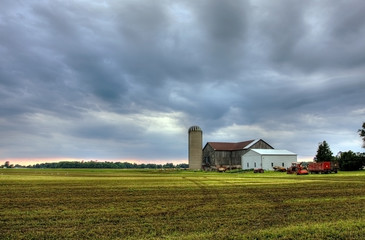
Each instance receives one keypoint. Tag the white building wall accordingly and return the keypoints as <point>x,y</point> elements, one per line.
<point>251,160</point>
<point>268,159</point>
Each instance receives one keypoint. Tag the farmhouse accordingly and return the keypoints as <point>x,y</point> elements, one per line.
<point>267,158</point>
<point>229,155</point>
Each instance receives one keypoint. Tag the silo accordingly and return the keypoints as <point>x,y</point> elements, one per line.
<point>195,147</point>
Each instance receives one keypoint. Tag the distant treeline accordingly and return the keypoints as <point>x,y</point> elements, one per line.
<point>116,165</point>
<point>350,161</point>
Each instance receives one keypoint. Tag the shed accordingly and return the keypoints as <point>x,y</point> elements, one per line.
<point>267,158</point>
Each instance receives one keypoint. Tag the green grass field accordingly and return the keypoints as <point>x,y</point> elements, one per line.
<point>153,204</point>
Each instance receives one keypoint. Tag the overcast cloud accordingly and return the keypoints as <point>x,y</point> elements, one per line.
<point>124,80</point>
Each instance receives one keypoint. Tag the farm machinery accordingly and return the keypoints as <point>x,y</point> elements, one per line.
<point>279,169</point>
<point>323,167</point>
<point>258,170</point>
<point>297,168</point>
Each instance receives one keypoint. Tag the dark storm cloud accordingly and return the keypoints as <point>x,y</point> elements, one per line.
<point>313,36</point>
<point>223,27</point>
<point>125,79</point>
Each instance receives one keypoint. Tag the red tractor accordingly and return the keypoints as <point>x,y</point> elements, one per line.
<point>297,168</point>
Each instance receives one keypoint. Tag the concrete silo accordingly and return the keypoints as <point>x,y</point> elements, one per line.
<point>195,147</point>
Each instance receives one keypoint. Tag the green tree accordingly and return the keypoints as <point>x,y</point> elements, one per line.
<point>7,164</point>
<point>168,165</point>
<point>362,134</point>
<point>324,152</point>
<point>350,161</point>
<point>182,165</point>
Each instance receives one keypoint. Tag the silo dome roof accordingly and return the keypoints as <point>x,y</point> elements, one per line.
<point>195,129</point>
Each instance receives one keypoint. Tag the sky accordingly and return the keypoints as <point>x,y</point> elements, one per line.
<point>123,80</point>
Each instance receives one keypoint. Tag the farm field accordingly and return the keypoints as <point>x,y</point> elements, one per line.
<point>153,204</point>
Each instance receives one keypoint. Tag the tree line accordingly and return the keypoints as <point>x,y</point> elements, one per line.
<point>96,164</point>
<point>348,161</point>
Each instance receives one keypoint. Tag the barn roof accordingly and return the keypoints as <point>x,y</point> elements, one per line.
<point>273,152</point>
<point>228,146</point>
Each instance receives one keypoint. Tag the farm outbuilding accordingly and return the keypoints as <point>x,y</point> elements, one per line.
<point>195,147</point>
<point>249,154</point>
<point>228,154</point>
<point>267,158</point>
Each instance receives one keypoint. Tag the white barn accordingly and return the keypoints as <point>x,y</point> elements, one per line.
<point>267,159</point>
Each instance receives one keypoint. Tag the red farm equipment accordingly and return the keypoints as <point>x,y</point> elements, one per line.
<point>296,168</point>
<point>323,167</point>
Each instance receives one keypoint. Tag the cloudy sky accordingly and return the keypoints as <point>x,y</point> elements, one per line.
<point>123,80</point>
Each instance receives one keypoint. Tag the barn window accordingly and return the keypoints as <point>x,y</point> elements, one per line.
<point>282,164</point>
<point>248,165</point>
<point>255,164</point>
<point>272,164</point>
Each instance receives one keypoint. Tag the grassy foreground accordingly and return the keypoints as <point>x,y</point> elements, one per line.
<point>149,204</point>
